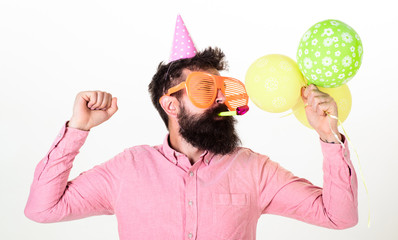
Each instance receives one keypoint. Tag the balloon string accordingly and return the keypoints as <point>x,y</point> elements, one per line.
<point>288,114</point>
<point>356,153</point>
<point>291,111</point>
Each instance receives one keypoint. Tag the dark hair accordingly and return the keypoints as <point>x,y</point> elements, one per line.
<point>168,75</point>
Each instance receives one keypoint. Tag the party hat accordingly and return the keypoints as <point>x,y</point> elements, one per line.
<point>183,46</point>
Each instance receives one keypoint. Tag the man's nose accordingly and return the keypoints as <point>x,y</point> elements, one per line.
<point>220,97</point>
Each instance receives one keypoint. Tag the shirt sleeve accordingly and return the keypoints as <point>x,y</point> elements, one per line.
<point>333,206</point>
<point>53,198</point>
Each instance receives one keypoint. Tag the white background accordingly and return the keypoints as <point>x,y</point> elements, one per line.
<point>51,50</point>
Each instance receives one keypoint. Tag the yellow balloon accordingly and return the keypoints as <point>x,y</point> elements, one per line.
<point>273,82</point>
<point>342,97</point>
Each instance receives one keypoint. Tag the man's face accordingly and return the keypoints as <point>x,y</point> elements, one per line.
<point>203,128</point>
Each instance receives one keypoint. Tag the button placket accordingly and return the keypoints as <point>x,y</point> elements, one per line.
<point>191,207</point>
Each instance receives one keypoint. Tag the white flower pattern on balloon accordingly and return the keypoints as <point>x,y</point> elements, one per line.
<point>307,63</point>
<point>317,54</point>
<point>346,37</point>
<point>327,42</point>
<point>360,50</point>
<point>326,61</point>
<point>328,73</point>
<point>314,42</point>
<point>337,53</point>
<point>306,36</point>
<point>279,101</point>
<point>347,60</point>
<point>328,31</point>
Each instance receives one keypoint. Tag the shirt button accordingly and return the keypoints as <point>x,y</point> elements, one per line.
<point>190,235</point>
<point>191,174</point>
<point>190,203</point>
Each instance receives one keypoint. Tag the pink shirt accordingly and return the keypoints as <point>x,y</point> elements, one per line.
<point>156,193</point>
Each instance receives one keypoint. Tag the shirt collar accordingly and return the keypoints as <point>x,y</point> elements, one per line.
<point>172,155</point>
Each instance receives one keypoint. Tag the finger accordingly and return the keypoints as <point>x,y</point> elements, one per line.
<point>310,88</point>
<point>306,91</point>
<point>109,102</point>
<point>314,101</point>
<point>330,108</point>
<point>321,109</point>
<point>113,107</point>
<point>91,98</point>
<point>105,101</point>
<point>317,98</point>
<point>315,95</point>
<point>100,98</point>
<point>304,95</point>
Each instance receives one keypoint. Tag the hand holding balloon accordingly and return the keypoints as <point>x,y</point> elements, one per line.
<point>319,106</point>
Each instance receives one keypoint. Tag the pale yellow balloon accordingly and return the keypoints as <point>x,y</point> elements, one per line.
<point>273,82</point>
<point>342,97</point>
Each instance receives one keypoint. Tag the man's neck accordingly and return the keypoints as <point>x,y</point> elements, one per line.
<point>178,143</point>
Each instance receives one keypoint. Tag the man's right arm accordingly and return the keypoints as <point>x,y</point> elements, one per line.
<point>52,198</point>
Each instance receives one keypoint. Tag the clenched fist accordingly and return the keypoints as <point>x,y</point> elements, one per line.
<point>92,108</point>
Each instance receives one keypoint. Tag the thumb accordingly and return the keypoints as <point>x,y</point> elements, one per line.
<point>304,94</point>
<point>113,107</point>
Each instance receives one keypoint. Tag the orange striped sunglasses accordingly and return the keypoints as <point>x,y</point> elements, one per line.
<point>202,89</point>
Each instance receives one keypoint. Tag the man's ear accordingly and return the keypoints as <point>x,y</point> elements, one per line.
<point>170,105</point>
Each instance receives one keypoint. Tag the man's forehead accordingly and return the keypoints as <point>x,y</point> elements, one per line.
<point>186,72</point>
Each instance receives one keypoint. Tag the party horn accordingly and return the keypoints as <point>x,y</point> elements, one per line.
<point>239,111</point>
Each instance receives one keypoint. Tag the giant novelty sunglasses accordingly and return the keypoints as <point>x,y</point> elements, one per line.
<point>202,90</point>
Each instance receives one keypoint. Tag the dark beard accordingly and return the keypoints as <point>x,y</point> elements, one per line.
<point>208,131</point>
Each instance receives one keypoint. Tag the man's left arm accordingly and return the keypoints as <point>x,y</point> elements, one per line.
<point>339,178</point>
<point>335,205</point>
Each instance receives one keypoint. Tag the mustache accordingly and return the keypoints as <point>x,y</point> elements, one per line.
<point>216,110</point>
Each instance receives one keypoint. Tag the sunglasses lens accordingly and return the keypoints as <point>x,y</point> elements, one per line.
<point>202,90</point>
<point>235,94</point>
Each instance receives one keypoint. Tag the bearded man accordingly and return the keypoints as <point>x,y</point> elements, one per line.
<point>200,183</point>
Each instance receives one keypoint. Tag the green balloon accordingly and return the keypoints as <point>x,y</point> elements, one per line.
<point>330,53</point>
